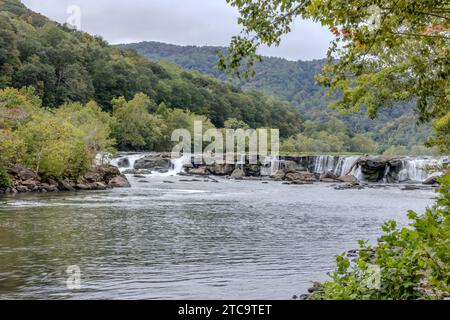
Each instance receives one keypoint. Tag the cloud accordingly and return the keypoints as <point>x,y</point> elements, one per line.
<point>184,22</point>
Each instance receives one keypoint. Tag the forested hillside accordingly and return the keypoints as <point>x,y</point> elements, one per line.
<point>394,129</point>
<point>64,66</point>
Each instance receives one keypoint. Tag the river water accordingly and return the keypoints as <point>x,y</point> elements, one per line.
<point>172,239</point>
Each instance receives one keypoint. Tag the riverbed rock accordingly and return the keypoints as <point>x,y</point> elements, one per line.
<point>65,185</point>
<point>431,181</point>
<point>123,163</point>
<point>348,179</point>
<point>154,162</point>
<point>327,176</point>
<point>300,176</point>
<point>200,171</point>
<point>119,182</point>
<point>238,174</point>
<point>279,175</point>
<point>221,169</point>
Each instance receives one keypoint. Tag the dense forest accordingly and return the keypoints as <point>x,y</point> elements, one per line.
<point>394,130</point>
<point>66,66</point>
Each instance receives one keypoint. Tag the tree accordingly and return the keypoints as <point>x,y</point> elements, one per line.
<point>404,56</point>
<point>54,147</point>
<point>135,128</point>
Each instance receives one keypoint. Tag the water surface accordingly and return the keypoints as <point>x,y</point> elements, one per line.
<point>188,240</point>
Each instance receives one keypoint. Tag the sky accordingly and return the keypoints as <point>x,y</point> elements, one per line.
<point>182,22</point>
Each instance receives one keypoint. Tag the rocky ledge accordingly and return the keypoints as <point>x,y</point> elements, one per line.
<point>97,178</point>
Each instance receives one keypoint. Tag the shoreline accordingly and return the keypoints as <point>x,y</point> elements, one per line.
<point>101,177</point>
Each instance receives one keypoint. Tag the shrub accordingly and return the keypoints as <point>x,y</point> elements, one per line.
<point>413,263</point>
<point>4,178</point>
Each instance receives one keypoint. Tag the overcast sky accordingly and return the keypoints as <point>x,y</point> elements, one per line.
<point>184,22</point>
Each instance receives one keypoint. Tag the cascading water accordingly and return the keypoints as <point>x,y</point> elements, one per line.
<point>324,164</point>
<point>178,164</point>
<point>345,165</point>
<point>415,169</point>
<point>126,162</point>
<point>270,165</point>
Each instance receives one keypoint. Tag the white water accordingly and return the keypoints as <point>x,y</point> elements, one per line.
<point>415,169</point>
<point>177,165</point>
<point>132,158</point>
<point>270,165</point>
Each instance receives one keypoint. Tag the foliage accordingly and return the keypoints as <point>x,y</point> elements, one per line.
<point>325,137</point>
<point>294,81</point>
<point>4,178</point>
<point>402,59</point>
<point>57,143</point>
<point>135,128</point>
<point>414,262</point>
<point>65,66</point>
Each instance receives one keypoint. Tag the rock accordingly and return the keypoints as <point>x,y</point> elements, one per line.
<point>328,176</point>
<point>431,181</point>
<point>22,189</point>
<point>65,186</point>
<point>328,180</point>
<point>26,174</point>
<point>166,181</point>
<point>300,176</point>
<point>348,179</point>
<point>143,181</point>
<point>30,183</point>
<point>238,174</point>
<point>279,175</point>
<point>119,182</point>
<point>82,186</point>
<point>201,171</point>
<point>154,162</point>
<point>123,163</point>
<point>221,169</point>
<point>139,176</point>
<point>99,186</point>
<point>48,187</point>
<point>347,186</point>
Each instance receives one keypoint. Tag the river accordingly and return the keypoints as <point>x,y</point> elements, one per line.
<point>167,238</point>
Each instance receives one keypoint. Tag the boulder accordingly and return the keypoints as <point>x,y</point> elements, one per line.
<point>238,174</point>
<point>22,189</point>
<point>26,174</point>
<point>153,162</point>
<point>48,187</point>
<point>83,186</point>
<point>279,175</point>
<point>201,171</point>
<point>221,169</point>
<point>300,176</point>
<point>65,185</point>
<point>431,181</point>
<point>123,163</point>
<point>119,182</point>
<point>328,176</point>
<point>348,179</point>
<point>100,186</point>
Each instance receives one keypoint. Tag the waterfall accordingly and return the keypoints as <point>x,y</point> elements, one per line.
<point>132,158</point>
<point>340,166</point>
<point>178,164</point>
<point>415,169</point>
<point>270,165</point>
<point>349,165</point>
<point>324,163</point>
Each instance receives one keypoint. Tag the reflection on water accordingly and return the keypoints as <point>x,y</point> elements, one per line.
<point>187,240</point>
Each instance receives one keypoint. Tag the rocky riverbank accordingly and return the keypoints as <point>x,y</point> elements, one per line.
<point>97,178</point>
<point>354,171</point>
